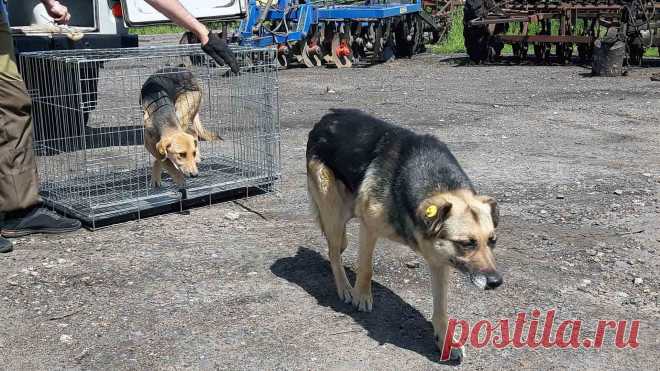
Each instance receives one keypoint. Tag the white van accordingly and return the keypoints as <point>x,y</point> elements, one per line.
<point>97,24</point>
<point>94,24</point>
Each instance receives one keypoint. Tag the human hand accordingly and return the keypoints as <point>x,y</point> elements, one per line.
<point>217,48</point>
<point>57,11</point>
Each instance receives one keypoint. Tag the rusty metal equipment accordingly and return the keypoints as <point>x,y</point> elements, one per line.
<point>556,28</point>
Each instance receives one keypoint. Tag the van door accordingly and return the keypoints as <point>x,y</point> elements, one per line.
<point>138,12</point>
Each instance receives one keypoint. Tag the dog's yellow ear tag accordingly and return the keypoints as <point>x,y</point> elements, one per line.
<point>431,211</point>
<point>323,174</point>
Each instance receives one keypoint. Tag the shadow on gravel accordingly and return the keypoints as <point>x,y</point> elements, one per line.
<point>508,60</point>
<point>392,321</point>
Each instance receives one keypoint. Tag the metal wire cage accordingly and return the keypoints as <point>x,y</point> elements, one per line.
<point>89,130</point>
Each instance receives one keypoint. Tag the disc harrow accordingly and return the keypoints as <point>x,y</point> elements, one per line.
<point>556,29</point>
<point>343,34</point>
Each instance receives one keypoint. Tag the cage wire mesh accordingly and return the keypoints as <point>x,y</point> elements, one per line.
<point>89,131</point>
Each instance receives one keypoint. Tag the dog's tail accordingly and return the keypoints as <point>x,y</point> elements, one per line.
<point>202,132</point>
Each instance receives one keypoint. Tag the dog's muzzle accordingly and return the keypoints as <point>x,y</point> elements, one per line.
<point>487,280</point>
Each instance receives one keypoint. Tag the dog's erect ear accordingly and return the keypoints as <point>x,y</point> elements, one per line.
<point>192,132</point>
<point>494,210</point>
<point>163,145</point>
<point>433,212</point>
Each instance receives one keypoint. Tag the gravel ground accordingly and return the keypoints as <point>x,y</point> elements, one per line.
<point>573,161</point>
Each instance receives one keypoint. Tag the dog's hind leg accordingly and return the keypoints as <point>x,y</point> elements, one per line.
<point>202,132</point>
<point>187,106</point>
<point>336,238</point>
<point>330,201</point>
<point>362,298</point>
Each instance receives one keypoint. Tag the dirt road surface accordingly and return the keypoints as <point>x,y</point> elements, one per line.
<point>572,160</point>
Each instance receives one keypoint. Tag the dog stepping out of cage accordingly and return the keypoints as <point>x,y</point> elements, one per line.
<point>171,99</point>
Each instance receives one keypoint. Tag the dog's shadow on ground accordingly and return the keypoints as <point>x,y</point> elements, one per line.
<point>392,321</point>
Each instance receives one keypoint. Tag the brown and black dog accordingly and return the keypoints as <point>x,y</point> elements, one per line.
<point>405,187</point>
<point>171,99</point>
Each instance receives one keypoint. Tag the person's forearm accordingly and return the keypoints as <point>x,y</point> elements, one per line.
<point>57,11</point>
<point>173,10</point>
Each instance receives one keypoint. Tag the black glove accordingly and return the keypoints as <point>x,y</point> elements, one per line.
<point>218,49</point>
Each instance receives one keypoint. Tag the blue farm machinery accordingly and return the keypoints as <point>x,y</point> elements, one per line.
<point>344,33</point>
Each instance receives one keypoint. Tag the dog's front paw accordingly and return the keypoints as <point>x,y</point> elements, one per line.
<point>363,301</point>
<point>155,182</point>
<point>456,353</point>
<point>344,292</point>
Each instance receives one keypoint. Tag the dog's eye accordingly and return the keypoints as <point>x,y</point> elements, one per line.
<point>184,154</point>
<point>492,241</point>
<point>195,154</point>
<point>468,244</point>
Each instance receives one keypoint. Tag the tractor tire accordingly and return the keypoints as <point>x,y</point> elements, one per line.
<point>476,38</point>
<point>404,47</point>
<point>635,51</point>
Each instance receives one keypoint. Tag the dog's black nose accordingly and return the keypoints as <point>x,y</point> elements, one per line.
<point>194,175</point>
<point>493,280</point>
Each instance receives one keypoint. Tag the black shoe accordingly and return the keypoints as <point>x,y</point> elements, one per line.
<point>37,220</point>
<point>5,245</point>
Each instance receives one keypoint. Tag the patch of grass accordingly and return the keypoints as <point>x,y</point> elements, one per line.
<point>454,41</point>
<point>160,29</point>
<point>533,29</point>
<point>156,29</point>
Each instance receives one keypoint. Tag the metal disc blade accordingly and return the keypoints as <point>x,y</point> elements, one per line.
<point>282,63</point>
<point>310,58</point>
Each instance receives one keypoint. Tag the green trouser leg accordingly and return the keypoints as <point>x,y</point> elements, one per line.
<point>19,185</point>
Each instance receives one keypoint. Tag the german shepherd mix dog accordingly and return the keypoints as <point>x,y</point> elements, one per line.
<point>405,187</point>
<point>171,99</point>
